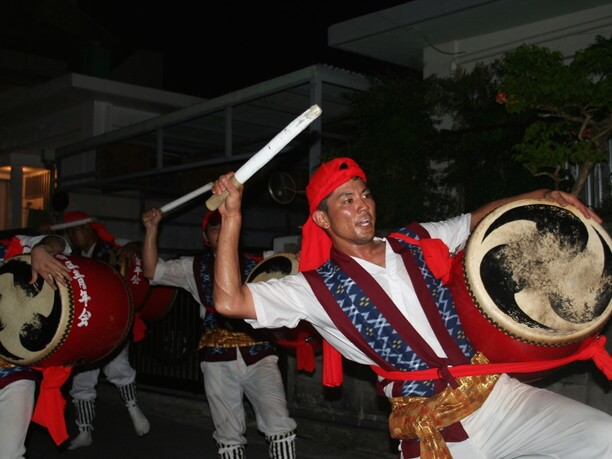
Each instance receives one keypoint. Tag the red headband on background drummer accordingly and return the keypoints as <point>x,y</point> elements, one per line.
<point>98,228</point>
<point>211,219</point>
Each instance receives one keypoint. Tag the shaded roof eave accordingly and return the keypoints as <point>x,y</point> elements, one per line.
<point>399,34</point>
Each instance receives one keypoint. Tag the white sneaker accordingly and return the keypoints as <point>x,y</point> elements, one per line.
<point>81,440</point>
<point>140,421</point>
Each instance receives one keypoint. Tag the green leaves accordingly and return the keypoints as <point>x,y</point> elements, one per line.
<point>573,98</point>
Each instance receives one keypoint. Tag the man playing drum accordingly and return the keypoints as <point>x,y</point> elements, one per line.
<point>93,240</point>
<point>235,359</point>
<point>18,383</point>
<point>382,302</point>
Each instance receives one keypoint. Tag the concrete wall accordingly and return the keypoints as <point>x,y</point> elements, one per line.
<point>566,34</point>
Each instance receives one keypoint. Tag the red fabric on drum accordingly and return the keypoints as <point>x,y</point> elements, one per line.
<point>138,329</point>
<point>305,357</point>
<point>50,405</point>
<point>601,356</point>
<point>304,351</point>
<point>14,247</point>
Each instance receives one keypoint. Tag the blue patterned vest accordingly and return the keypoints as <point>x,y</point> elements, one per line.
<point>221,336</point>
<point>378,329</point>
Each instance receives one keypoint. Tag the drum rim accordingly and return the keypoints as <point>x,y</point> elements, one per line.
<point>292,257</point>
<point>498,320</point>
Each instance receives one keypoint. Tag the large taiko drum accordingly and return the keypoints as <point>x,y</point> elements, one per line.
<point>70,326</point>
<point>150,302</point>
<point>138,285</point>
<point>534,282</point>
<point>158,302</point>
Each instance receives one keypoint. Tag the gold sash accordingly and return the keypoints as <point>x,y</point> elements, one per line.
<point>220,337</point>
<point>424,417</point>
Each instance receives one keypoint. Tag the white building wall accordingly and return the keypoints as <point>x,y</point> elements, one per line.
<point>566,34</point>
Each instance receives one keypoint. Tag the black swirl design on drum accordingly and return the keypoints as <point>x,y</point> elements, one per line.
<point>271,268</point>
<point>553,273</point>
<point>25,319</point>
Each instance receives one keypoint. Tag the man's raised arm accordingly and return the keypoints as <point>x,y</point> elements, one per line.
<point>150,254</point>
<point>230,296</point>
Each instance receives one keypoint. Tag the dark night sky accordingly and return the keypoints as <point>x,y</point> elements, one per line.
<point>213,48</point>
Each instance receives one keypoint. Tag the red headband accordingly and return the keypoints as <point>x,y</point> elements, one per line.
<point>212,217</point>
<point>316,245</point>
<point>99,228</point>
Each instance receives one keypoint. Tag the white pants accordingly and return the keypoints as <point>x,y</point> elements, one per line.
<point>518,420</point>
<point>226,384</point>
<point>118,371</point>
<point>16,407</point>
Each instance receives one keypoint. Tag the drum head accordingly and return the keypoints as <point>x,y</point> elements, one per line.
<point>540,272</point>
<point>274,267</point>
<point>32,317</point>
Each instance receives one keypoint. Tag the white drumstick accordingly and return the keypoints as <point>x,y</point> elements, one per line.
<point>256,162</point>
<point>263,156</point>
<point>188,197</point>
<point>61,226</point>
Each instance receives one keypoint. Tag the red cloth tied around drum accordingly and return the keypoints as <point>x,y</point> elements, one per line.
<point>594,350</point>
<point>13,247</point>
<point>304,339</point>
<point>316,244</point>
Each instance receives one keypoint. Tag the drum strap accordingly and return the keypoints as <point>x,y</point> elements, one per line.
<point>595,351</point>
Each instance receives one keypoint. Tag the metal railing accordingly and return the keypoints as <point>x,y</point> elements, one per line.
<point>167,357</point>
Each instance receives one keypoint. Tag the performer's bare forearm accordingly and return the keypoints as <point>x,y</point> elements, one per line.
<point>231,298</point>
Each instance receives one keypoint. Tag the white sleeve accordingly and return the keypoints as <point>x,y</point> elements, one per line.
<point>284,302</point>
<point>453,232</point>
<point>281,302</point>
<point>176,273</point>
<point>29,242</point>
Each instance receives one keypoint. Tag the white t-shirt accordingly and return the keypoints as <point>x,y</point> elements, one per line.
<point>286,301</point>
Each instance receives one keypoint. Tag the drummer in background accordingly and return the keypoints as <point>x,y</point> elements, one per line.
<point>93,240</point>
<point>379,318</point>
<point>17,383</point>
<point>235,359</point>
